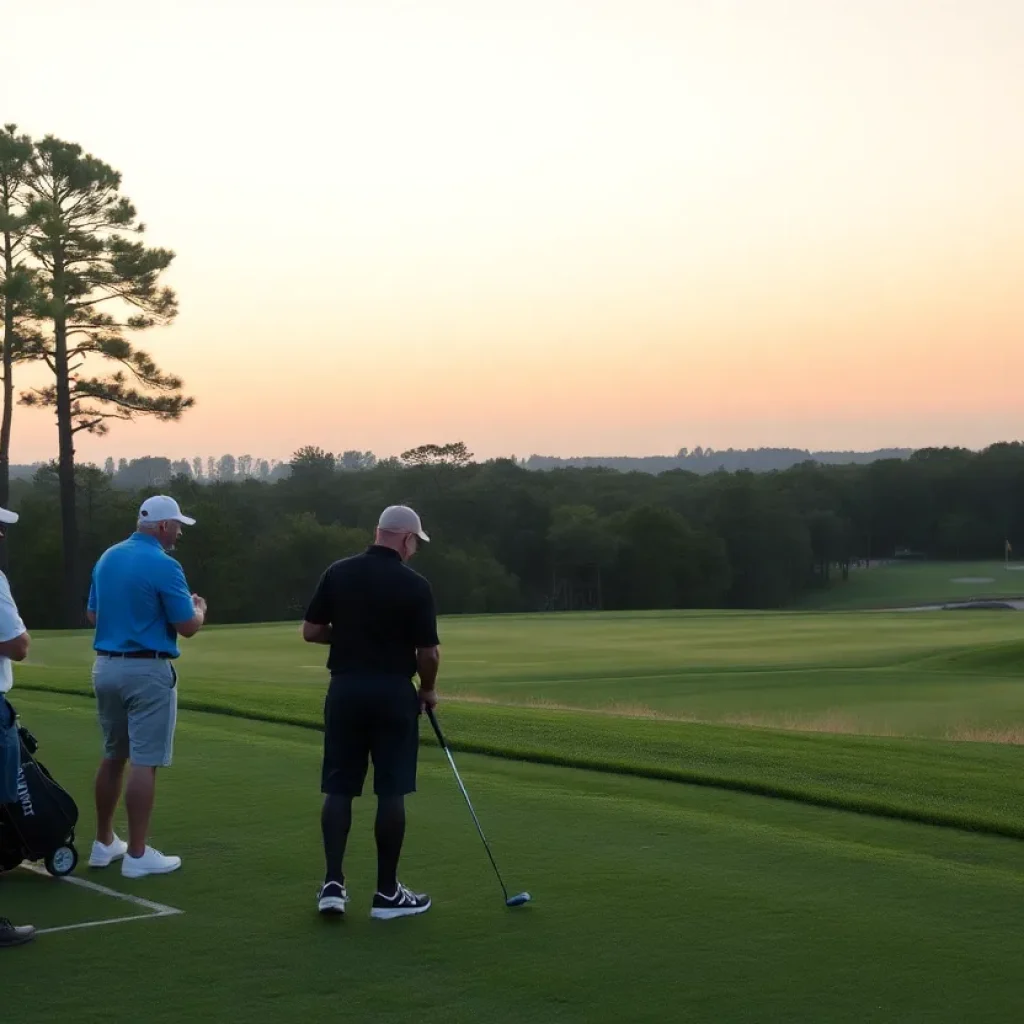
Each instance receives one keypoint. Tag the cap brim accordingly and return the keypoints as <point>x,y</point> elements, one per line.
<point>7,516</point>
<point>185,520</point>
<point>423,536</point>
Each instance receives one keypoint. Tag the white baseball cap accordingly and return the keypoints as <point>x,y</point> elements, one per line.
<point>6,516</point>
<point>160,508</point>
<point>401,519</point>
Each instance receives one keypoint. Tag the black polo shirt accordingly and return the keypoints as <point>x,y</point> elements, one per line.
<point>379,610</point>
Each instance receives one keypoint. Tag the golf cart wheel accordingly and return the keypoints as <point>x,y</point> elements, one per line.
<point>62,861</point>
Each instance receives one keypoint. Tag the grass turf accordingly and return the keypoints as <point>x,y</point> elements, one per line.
<point>836,673</point>
<point>653,901</point>
<point>884,674</point>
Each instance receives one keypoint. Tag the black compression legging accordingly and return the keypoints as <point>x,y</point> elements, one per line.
<point>389,831</point>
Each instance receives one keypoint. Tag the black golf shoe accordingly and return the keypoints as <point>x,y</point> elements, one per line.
<point>12,936</point>
<point>332,898</point>
<point>402,904</point>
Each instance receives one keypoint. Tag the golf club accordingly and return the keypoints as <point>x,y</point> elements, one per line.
<point>510,901</point>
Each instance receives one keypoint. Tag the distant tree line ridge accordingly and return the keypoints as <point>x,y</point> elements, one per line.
<point>158,469</point>
<point>508,539</point>
<point>710,460</point>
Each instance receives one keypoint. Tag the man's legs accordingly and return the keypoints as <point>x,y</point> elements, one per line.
<point>109,781</point>
<point>139,796</point>
<point>112,713</point>
<point>343,772</point>
<point>389,832</point>
<point>335,823</point>
<point>395,752</point>
<point>137,701</point>
<point>153,716</point>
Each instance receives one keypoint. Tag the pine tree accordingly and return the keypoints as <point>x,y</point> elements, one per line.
<point>100,283</point>
<point>17,281</point>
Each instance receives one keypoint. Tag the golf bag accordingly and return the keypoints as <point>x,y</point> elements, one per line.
<point>41,825</point>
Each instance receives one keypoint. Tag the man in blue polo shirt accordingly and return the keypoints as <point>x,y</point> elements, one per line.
<point>139,604</point>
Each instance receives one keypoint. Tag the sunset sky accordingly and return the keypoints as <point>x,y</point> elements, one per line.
<point>557,226</point>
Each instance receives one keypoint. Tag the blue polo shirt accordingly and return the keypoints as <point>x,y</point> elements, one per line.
<point>137,591</point>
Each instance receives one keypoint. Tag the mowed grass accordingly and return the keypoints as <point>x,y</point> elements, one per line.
<point>652,901</point>
<point>910,584</point>
<point>885,674</point>
<point>846,710</point>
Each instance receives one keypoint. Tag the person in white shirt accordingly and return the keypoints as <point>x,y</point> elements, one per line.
<point>14,641</point>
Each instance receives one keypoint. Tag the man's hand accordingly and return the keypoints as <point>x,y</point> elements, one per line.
<point>427,661</point>
<point>198,620</point>
<point>17,648</point>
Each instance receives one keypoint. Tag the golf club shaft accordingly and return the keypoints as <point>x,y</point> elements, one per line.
<point>469,803</point>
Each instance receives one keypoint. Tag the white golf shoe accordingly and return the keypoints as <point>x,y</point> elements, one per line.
<point>103,856</point>
<point>152,862</point>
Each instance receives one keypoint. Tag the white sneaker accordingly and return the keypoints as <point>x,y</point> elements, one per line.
<point>103,856</point>
<point>152,862</point>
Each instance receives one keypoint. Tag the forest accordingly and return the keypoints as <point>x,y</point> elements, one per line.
<point>509,539</point>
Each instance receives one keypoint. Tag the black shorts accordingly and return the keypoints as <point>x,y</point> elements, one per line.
<point>370,717</point>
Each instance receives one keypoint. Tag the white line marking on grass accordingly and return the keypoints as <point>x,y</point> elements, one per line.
<point>155,909</point>
<point>112,920</point>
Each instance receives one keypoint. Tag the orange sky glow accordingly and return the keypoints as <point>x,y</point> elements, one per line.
<point>558,226</point>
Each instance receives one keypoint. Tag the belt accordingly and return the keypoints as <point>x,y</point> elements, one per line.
<point>134,654</point>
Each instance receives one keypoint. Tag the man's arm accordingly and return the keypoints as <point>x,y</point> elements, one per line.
<point>185,611</point>
<point>15,639</point>
<point>428,650</point>
<point>90,610</point>
<point>428,661</point>
<point>189,627</point>
<point>316,624</point>
<point>316,632</point>
<point>16,649</point>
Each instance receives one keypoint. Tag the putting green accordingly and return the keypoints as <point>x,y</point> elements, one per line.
<point>905,584</point>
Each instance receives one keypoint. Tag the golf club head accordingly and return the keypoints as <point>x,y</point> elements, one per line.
<point>518,901</point>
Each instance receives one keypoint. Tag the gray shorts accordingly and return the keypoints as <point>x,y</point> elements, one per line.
<point>137,704</point>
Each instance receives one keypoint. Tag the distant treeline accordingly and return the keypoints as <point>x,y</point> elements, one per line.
<point>154,470</point>
<point>508,539</point>
<point>708,460</point>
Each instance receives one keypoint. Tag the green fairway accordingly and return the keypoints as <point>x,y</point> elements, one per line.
<point>908,584</point>
<point>653,901</point>
<point>931,674</point>
<point>911,680</point>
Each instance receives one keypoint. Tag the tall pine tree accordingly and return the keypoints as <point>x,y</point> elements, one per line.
<point>100,284</point>
<point>16,280</point>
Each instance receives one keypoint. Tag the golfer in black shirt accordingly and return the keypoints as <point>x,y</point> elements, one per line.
<point>378,617</point>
